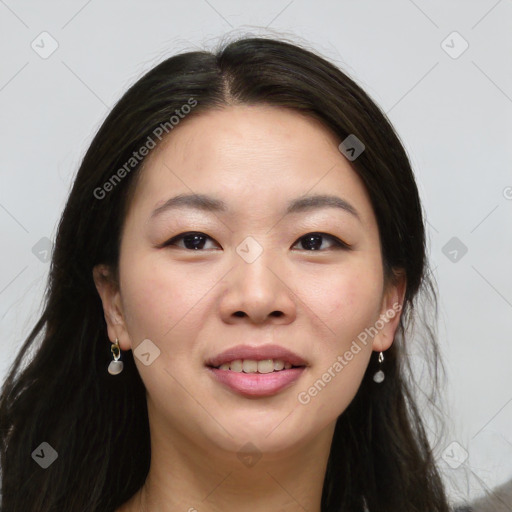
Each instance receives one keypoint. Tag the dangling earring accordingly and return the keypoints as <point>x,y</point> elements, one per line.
<point>379,376</point>
<point>115,366</point>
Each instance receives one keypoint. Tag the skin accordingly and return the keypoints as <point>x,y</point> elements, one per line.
<point>256,159</point>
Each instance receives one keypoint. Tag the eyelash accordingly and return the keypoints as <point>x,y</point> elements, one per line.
<point>338,244</point>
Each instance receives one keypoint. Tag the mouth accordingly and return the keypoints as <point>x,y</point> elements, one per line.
<point>255,372</point>
<point>256,366</point>
<point>252,359</point>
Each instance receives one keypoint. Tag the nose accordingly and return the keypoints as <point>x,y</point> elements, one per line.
<point>258,292</point>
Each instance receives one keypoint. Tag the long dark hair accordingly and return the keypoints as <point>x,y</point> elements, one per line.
<point>380,458</point>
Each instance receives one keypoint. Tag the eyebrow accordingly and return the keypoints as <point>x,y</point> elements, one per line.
<point>207,203</point>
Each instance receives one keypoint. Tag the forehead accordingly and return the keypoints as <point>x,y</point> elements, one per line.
<point>259,132</point>
<point>253,156</point>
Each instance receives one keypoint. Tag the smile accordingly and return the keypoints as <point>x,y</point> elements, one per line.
<point>253,383</point>
<point>254,366</point>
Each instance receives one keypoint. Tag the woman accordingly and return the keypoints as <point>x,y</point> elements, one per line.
<point>242,248</point>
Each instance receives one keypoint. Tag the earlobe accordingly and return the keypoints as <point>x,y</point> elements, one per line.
<point>109,293</point>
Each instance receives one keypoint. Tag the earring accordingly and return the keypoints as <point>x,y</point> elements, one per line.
<point>115,366</point>
<point>379,376</point>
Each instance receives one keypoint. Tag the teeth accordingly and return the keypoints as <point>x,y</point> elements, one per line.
<point>236,366</point>
<point>253,366</point>
<point>266,366</point>
<point>250,366</point>
<point>278,365</point>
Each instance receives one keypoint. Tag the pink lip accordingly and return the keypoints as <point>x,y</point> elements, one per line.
<point>257,353</point>
<point>257,384</point>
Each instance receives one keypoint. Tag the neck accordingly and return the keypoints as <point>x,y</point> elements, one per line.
<point>186,476</point>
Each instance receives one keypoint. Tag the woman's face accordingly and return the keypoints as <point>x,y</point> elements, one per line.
<point>259,276</point>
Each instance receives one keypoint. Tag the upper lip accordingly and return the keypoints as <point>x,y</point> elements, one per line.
<point>256,353</point>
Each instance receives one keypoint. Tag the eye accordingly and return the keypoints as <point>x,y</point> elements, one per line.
<point>314,241</point>
<point>192,240</point>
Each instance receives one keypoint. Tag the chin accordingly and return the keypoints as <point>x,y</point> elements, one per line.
<point>281,434</point>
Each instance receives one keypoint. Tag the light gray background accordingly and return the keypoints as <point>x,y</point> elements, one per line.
<point>452,114</point>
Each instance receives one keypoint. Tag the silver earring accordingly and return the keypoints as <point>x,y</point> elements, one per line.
<point>115,366</point>
<point>379,376</point>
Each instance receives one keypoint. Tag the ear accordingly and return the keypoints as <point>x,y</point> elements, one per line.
<point>391,310</point>
<point>108,289</point>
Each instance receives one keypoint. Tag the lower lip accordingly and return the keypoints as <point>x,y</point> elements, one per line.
<point>257,384</point>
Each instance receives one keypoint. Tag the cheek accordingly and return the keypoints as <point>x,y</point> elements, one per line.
<point>153,299</point>
<point>349,302</point>
<point>350,299</point>
<point>164,302</point>
<point>144,303</point>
